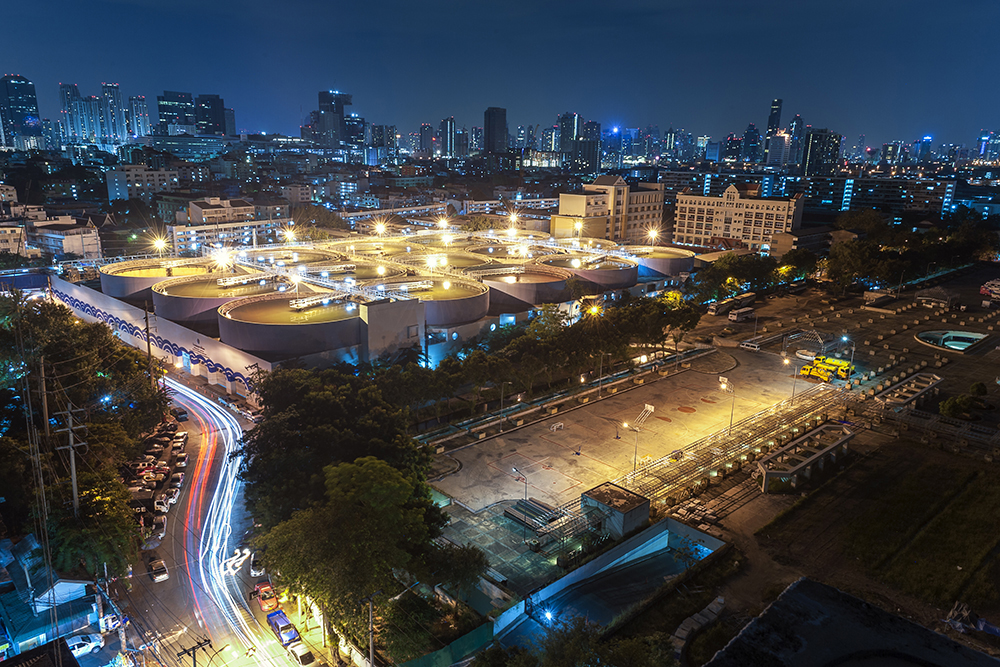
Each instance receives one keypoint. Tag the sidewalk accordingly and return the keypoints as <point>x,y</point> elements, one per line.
<point>309,625</point>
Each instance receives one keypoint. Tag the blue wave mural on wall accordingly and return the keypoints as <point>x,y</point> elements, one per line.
<point>127,328</point>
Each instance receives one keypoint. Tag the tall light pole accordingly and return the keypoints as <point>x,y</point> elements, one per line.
<point>524,526</point>
<point>794,377</point>
<point>652,236</point>
<point>635,453</point>
<point>502,385</point>
<point>579,230</point>
<point>727,386</point>
<point>850,369</point>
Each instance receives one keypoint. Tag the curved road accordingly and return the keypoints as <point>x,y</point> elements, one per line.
<point>207,593</point>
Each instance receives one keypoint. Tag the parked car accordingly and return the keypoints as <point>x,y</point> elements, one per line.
<point>161,503</point>
<point>282,628</point>
<point>154,449</point>
<point>181,461</point>
<point>177,480</point>
<point>180,414</point>
<point>160,439</point>
<point>256,567</point>
<point>265,596</point>
<point>168,427</point>
<point>158,570</point>
<point>159,526</point>
<point>301,655</point>
<point>80,645</point>
<point>172,495</point>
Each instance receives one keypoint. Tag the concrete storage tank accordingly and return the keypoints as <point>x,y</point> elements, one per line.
<point>602,272</point>
<point>288,256</point>
<point>447,301</point>
<point>526,286</point>
<point>195,299</point>
<point>659,261</point>
<point>512,252</point>
<point>446,240</point>
<point>133,281</point>
<point>268,326</point>
<point>349,270</point>
<point>585,244</point>
<point>378,248</point>
<point>455,259</point>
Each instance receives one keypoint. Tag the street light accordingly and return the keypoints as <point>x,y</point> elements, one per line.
<point>502,385</point>
<point>635,453</point>
<point>850,370</point>
<point>727,386</point>
<point>380,228</point>
<point>794,377</point>
<point>578,226</point>
<point>524,526</point>
<point>652,236</point>
<point>443,223</point>
<point>160,244</point>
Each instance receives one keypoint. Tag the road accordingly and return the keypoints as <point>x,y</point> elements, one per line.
<point>207,594</point>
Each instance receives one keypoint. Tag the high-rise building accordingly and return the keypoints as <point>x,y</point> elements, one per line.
<point>138,116</point>
<point>332,121</point>
<point>462,143</point>
<point>210,114</point>
<point>778,149</point>
<point>773,123</point>
<point>426,137</point>
<point>570,127</point>
<point>796,130</point>
<point>446,131</point>
<point>592,130</point>
<point>230,118</point>
<point>495,130</point>
<point>476,140</point>
<point>22,127</point>
<point>751,144</point>
<point>550,140</point>
<point>733,148</point>
<point>115,115</point>
<point>174,108</point>
<point>821,154</point>
<point>69,102</point>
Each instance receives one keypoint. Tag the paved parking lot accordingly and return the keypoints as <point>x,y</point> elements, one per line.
<point>592,446</point>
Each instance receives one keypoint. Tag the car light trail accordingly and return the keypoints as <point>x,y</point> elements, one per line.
<point>215,567</point>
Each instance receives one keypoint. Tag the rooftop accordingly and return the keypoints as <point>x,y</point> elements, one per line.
<point>616,497</point>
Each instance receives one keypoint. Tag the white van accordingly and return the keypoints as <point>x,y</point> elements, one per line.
<point>747,345</point>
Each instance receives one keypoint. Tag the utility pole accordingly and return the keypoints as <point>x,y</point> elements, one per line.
<point>371,627</point>
<point>73,444</point>
<point>193,651</point>
<point>149,346</point>
<point>45,394</point>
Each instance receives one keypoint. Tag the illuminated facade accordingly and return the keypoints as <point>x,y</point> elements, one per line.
<point>740,213</point>
<point>612,209</point>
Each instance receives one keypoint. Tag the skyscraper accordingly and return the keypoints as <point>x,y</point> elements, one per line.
<point>426,137</point>
<point>332,121</point>
<point>592,130</point>
<point>230,117</point>
<point>773,123</point>
<point>751,144</point>
<point>210,114</point>
<point>796,129</point>
<point>821,153</point>
<point>138,116</point>
<point>733,148</point>
<point>115,130</point>
<point>69,112</point>
<point>446,130</point>
<point>778,149</point>
<point>570,128</point>
<point>476,140</point>
<point>495,130</point>
<point>22,126</point>
<point>177,109</point>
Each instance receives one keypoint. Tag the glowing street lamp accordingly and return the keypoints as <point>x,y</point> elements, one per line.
<point>795,377</point>
<point>727,386</point>
<point>380,228</point>
<point>289,235</point>
<point>652,235</point>
<point>578,226</point>
<point>443,223</point>
<point>160,244</point>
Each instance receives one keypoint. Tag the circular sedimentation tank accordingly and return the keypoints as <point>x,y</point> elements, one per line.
<point>267,325</point>
<point>585,244</point>
<point>602,271</point>
<point>455,259</point>
<point>657,261</point>
<point>134,280</point>
<point>195,299</point>
<point>355,271</point>
<point>290,256</point>
<point>511,252</point>
<point>378,248</point>
<point>528,285</point>
<point>446,240</point>
<point>447,301</point>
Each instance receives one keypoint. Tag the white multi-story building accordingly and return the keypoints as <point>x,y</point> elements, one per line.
<point>297,193</point>
<point>189,239</point>
<point>740,214</point>
<point>612,209</point>
<point>8,194</point>
<point>217,210</point>
<point>61,236</point>
<point>12,239</point>
<point>136,181</point>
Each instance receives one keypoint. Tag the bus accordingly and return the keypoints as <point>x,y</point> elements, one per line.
<point>741,314</point>
<point>721,307</point>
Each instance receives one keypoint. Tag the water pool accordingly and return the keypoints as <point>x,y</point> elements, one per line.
<point>950,340</point>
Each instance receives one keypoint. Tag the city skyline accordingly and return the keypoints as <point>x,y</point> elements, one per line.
<point>858,86</point>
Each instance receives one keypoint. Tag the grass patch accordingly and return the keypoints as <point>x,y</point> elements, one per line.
<point>962,535</point>
<point>707,643</point>
<point>899,511</point>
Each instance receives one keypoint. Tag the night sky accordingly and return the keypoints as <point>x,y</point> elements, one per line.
<point>892,69</point>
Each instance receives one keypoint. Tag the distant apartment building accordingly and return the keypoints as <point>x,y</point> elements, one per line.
<point>62,236</point>
<point>612,209</point>
<point>741,213</point>
<point>271,209</point>
<point>8,194</point>
<point>189,239</point>
<point>13,239</point>
<point>297,193</point>
<point>215,210</point>
<point>135,181</point>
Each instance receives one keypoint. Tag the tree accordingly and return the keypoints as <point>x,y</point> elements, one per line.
<point>374,519</point>
<point>800,262</point>
<point>460,566</point>
<point>313,419</point>
<point>318,216</point>
<point>978,389</point>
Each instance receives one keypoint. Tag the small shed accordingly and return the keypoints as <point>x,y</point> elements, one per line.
<point>626,510</point>
<point>937,297</point>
